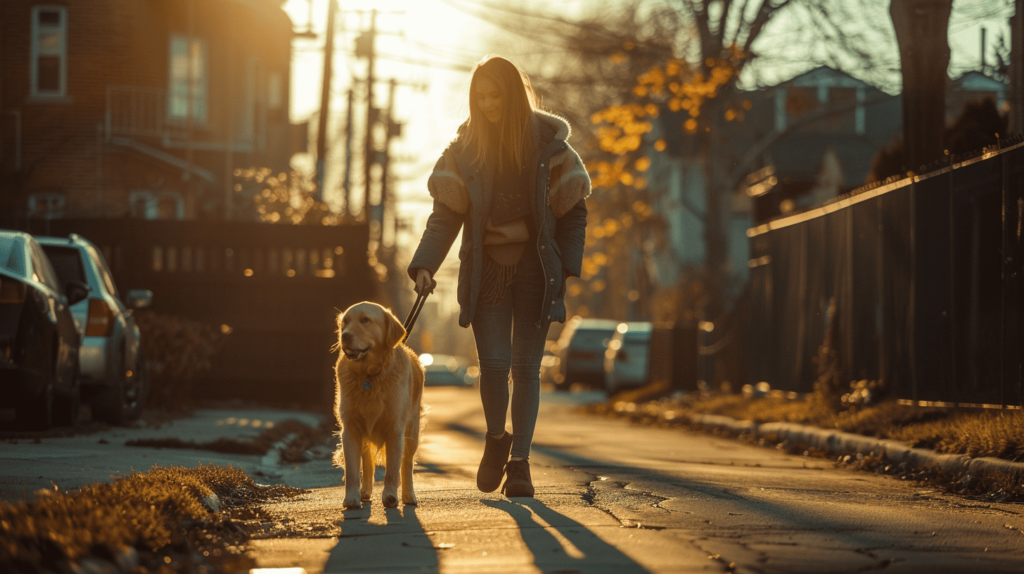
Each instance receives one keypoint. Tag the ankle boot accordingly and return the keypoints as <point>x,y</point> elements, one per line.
<point>492,465</point>
<point>517,481</point>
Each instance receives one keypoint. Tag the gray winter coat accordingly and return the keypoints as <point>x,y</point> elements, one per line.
<point>462,195</point>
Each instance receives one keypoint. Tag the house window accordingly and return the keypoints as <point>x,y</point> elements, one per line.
<point>46,205</point>
<point>49,51</point>
<point>186,97</point>
<point>156,205</point>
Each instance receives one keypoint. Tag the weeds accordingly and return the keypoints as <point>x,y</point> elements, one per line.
<point>140,521</point>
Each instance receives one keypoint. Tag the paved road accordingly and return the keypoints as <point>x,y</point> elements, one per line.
<point>616,498</point>
<point>611,497</point>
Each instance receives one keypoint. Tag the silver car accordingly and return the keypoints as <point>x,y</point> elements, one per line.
<point>112,371</point>
<point>627,356</point>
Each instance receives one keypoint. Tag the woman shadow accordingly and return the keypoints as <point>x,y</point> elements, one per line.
<point>560,544</point>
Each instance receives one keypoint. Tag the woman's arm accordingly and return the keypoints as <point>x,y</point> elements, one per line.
<point>570,235</point>
<point>442,228</point>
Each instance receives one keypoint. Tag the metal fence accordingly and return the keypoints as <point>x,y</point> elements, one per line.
<point>925,276</point>
<point>276,288</point>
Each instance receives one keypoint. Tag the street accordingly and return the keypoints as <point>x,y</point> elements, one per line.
<point>611,497</point>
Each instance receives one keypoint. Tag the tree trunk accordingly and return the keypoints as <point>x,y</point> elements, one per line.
<point>921,30</point>
<point>1017,70</point>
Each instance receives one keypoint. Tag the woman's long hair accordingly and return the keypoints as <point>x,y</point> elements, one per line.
<point>503,144</point>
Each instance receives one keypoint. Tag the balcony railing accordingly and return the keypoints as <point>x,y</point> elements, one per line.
<point>135,111</point>
<point>140,112</point>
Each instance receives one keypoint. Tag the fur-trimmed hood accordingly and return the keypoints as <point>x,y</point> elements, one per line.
<point>568,182</point>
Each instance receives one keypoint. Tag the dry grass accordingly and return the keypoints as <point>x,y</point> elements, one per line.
<point>971,432</point>
<point>148,514</point>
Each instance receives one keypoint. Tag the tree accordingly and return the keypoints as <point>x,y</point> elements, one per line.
<point>284,198</point>
<point>921,28</point>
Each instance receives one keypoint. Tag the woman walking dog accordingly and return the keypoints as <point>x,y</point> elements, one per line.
<point>517,190</point>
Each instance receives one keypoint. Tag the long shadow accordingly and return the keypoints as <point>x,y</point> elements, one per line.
<point>400,544</point>
<point>559,544</point>
<point>851,534</point>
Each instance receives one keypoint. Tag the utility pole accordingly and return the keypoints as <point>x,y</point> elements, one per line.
<point>347,181</point>
<point>366,46</point>
<point>325,102</point>
<point>393,129</point>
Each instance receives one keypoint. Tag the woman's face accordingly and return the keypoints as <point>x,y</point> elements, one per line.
<point>489,99</point>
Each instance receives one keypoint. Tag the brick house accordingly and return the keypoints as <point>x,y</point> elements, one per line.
<point>115,108</point>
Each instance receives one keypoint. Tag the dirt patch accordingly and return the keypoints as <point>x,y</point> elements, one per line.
<point>169,519</point>
<point>303,442</point>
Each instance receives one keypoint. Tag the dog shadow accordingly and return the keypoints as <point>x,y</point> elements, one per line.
<point>393,541</point>
<point>559,543</point>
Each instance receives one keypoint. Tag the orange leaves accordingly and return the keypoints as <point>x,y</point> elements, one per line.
<point>626,125</point>
<point>675,84</point>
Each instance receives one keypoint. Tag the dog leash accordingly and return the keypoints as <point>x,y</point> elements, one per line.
<point>413,314</point>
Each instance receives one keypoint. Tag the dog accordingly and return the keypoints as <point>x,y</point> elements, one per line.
<point>378,404</point>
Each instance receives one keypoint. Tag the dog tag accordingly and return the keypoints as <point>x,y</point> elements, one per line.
<point>366,385</point>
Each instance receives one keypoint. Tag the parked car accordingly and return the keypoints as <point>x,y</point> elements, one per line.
<point>627,356</point>
<point>447,370</point>
<point>113,373</point>
<point>581,348</point>
<point>39,341</point>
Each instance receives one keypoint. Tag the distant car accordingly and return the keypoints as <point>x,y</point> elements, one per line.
<point>39,341</point>
<point>113,373</point>
<point>626,358</point>
<point>581,348</point>
<point>446,370</point>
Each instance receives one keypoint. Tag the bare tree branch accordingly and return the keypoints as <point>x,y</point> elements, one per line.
<point>764,14</point>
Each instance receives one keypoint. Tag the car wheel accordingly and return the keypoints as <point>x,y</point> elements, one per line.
<point>66,408</point>
<point>136,392</point>
<point>109,404</point>
<point>36,412</point>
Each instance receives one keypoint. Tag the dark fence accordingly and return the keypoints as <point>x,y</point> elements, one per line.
<point>275,288</point>
<point>925,277</point>
<point>673,360</point>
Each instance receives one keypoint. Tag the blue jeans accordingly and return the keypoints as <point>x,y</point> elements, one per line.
<point>509,340</point>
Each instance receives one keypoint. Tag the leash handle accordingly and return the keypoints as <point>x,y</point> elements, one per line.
<point>414,313</point>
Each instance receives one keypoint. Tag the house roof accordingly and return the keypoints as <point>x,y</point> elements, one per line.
<point>827,76</point>
<point>799,155</point>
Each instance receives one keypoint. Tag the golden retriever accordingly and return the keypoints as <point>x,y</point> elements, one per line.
<point>378,403</point>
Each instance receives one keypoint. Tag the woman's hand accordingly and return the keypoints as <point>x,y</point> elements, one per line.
<point>424,282</point>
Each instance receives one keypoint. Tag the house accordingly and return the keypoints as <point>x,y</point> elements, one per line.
<point>115,108</point>
<point>793,145</point>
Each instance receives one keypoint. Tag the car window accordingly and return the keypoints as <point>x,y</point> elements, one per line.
<point>101,264</point>
<point>42,269</point>
<point>67,262</point>
<point>590,339</point>
<point>12,254</point>
<point>637,337</point>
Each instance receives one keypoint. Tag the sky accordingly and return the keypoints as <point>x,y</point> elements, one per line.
<point>431,45</point>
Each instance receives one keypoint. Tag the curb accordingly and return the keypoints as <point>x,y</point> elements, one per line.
<point>891,450</point>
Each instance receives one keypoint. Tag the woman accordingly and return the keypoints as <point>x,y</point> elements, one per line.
<point>516,189</point>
